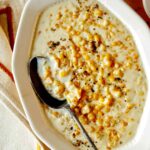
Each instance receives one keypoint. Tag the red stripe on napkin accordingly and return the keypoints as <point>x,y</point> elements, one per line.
<point>8,12</point>
<point>6,71</point>
<point>137,5</point>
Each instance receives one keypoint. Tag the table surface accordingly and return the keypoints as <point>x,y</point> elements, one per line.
<point>137,5</point>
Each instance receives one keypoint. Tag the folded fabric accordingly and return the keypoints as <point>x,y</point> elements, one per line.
<point>6,82</point>
<point>14,133</point>
<point>8,94</point>
<point>17,6</point>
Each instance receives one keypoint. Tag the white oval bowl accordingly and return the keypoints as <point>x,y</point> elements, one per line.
<point>34,110</point>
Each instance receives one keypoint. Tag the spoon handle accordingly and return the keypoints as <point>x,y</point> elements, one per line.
<point>81,127</point>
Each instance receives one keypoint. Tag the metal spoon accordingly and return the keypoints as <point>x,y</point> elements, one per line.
<point>46,98</point>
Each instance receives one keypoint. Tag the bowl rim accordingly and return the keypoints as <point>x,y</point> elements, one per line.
<point>141,35</point>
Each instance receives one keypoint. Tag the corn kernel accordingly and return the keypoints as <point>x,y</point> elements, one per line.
<point>57,61</point>
<point>92,129</point>
<point>107,56</point>
<point>47,73</point>
<point>76,110</point>
<point>112,34</point>
<point>108,61</point>
<point>56,114</point>
<point>95,112</point>
<point>97,38</point>
<point>82,42</point>
<point>78,55</point>
<point>85,16</point>
<point>49,81</point>
<point>91,116</point>
<point>102,47</point>
<point>72,47</point>
<point>95,96</point>
<point>111,26</point>
<point>89,36</point>
<point>83,119</point>
<point>80,105</point>
<point>77,39</point>
<point>61,56</point>
<point>101,81</point>
<point>107,124</point>
<point>118,73</point>
<point>66,93</point>
<point>73,32</point>
<point>124,123</point>
<point>116,43</point>
<point>75,15</point>
<point>109,101</point>
<point>101,99</point>
<point>77,132</point>
<point>64,73</point>
<point>77,84</point>
<point>128,65</point>
<point>99,107</point>
<point>99,121</point>
<point>106,90</point>
<point>128,38</point>
<point>38,147</point>
<point>100,113</point>
<point>59,15</point>
<point>61,89</point>
<point>107,109</point>
<point>105,23</point>
<point>69,28</point>
<point>83,50</point>
<point>88,88</point>
<point>75,62</point>
<point>92,65</point>
<point>86,109</point>
<point>86,57</point>
<point>81,27</point>
<point>101,72</point>
<point>129,107</point>
<point>74,101</point>
<point>98,13</point>
<point>116,92</point>
<point>117,65</point>
<point>111,78</point>
<point>136,56</point>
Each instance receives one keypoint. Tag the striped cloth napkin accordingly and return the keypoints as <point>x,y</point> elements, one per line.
<point>8,93</point>
<point>10,99</point>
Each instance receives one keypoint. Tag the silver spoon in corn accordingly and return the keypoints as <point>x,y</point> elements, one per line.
<point>46,98</point>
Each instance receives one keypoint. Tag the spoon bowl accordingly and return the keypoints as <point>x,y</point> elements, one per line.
<point>39,88</point>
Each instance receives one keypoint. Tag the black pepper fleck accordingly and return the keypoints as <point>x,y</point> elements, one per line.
<point>52,44</point>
